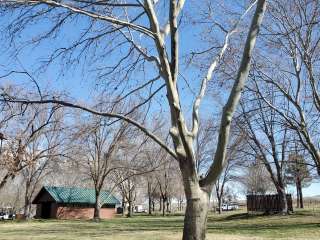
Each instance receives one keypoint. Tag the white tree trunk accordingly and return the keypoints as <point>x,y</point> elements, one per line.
<point>195,221</point>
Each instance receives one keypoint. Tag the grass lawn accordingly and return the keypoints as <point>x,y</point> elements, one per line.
<point>236,225</point>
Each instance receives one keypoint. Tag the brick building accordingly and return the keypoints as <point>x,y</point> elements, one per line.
<point>72,203</point>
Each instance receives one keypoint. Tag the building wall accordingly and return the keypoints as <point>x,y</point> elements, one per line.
<point>38,211</point>
<point>107,213</point>
<point>54,209</point>
<point>66,212</point>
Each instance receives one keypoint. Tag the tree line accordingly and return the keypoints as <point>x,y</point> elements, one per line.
<point>138,57</point>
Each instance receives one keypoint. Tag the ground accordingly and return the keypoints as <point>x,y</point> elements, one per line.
<point>303,224</point>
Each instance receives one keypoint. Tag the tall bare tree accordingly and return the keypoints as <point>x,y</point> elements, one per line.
<point>100,143</point>
<point>268,140</point>
<point>292,31</point>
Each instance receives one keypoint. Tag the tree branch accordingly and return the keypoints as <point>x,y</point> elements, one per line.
<point>234,97</point>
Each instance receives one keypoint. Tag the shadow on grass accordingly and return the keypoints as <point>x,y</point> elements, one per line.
<point>238,216</point>
<point>252,228</point>
<point>252,216</point>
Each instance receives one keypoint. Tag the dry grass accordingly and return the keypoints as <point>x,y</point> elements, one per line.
<point>231,226</point>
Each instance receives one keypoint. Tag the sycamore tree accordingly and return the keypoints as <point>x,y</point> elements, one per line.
<point>139,49</point>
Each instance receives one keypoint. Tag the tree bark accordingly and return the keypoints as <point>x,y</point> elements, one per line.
<point>283,200</point>
<point>129,214</point>
<point>198,191</point>
<point>129,209</point>
<point>219,205</point>
<point>195,221</point>
<point>130,205</point>
<point>300,194</point>
<point>150,205</point>
<point>97,207</point>
<point>160,204</point>
<point>163,206</point>
<point>149,199</point>
<point>27,208</point>
<point>123,206</point>
<point>27,202</point>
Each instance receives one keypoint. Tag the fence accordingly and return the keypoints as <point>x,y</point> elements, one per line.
<point>267,203</point>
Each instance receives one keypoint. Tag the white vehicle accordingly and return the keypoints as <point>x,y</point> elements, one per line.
<point>7,214</point>
<point>229,206</point>
<point>233,206</point>
<point>225,207</point>
<point>139,209</point>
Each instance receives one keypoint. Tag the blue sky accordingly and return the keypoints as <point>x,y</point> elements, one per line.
<point>312,190</point>
<point>81,87</point>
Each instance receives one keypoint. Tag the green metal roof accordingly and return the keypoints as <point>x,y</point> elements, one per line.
<point>79,195</point>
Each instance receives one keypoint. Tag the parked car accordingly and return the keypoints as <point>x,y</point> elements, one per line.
<point>139,209</point>
<point>7,214</point>
<point>233,206</point>
<point>229,206</point>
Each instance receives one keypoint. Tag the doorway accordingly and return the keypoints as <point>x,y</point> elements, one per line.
<point>46,210</point>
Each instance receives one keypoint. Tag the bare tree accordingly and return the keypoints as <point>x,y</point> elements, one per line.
<point>152,186</point>
<point>298,174</point>
<point>131,167</point>
<point>126,182</point>
<point>139,25</point>
<point>256,179</point>
<point>156,156</point>
<point>100,143</point>
<point>292,31</point>
<point>26,140</point>
<point>268,140</point>
<point>35,142</point>
<point>163,183</point>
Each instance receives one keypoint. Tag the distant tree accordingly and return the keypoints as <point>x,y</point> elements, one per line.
<point>34,142</point>
<point>152,186</point>
<point>130,172</point>
<point>154,155</point>
<point>127,183</point>
<point>267,138</point>
<point>297,173</point>
<point>157,158</point>
<point>288,63</point>
<point>100,143</point>
<point>256,179</point>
